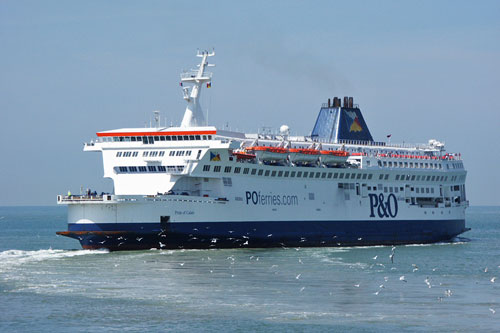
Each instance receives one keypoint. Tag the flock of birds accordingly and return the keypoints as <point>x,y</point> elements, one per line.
<point>403,278</point>
<point>383,285</point>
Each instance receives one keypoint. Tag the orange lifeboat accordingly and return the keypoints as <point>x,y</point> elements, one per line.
<point>241,155</point>
<point>268,153</point>
<point>303,155</point>
<point>333,157</point>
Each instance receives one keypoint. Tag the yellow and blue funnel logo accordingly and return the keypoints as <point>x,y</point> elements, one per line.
<point>355,124</point>
<point>214,157</point>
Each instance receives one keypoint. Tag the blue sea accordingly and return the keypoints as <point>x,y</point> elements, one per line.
<point>49,284</point>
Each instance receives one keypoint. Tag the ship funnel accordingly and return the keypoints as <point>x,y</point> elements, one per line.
<point>341,123</point>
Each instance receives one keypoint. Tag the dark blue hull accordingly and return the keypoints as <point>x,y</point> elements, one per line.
<point>203,235</point>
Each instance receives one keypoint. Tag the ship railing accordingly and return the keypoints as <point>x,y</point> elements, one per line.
<point>79,198</point>
<point>325,105</point>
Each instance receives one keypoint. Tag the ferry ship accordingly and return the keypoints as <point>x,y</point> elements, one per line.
<point>198,186</point>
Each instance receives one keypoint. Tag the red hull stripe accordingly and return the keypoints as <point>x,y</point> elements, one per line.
<point>155,133</point>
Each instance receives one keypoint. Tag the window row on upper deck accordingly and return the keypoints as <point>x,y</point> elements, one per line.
<point>155,138</point>
<point>330,174</point>
<point>149,169</point>
<point>153,153</point>
<point>419,165</point>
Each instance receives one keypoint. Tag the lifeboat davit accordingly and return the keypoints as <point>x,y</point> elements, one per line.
<point>333,157</point>
<point>268,153</point>
<point>303,155</point>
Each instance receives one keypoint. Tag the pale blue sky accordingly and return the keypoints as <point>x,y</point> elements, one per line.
<point>419,70</point>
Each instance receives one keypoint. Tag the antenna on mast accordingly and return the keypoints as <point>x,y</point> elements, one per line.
<point>157,118</point>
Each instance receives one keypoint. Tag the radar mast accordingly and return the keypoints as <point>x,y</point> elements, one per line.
<point>193,116</point>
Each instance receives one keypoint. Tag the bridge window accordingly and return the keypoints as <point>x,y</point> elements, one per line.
<point>305,174</point>
<point>266,173</point>
<point>227,169</point>
<point>254,171</point>
<point>161,168</point>
<point>142,169</point>
<point>237,170</point>
<point>261,172</point>
<point>206,168</point>
<point>280,173</point>
<point>245,171</point>
<point>217,168</point>
<point>273,174</point>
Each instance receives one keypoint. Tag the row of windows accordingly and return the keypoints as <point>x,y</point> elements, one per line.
<point>180,153</point>
<point>292,174</point>
<point>152,139</point>
<point>127,154</point>
<point>149,168</point>
<point>422,178</point>
<point>420,165</point>
<point>457,165</point>
<point>153,153</point>
<point>334,175</point>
